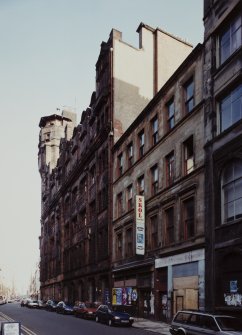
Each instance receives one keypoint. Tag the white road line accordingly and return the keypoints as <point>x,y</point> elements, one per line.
<point>27,330</point>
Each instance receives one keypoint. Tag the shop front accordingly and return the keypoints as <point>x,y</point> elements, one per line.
<point>179,283</point>
<point>133,291</point>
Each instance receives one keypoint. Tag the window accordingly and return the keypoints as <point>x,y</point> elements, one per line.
<point>129,242</point>
<point>170,114</point>
<point>130,154</point>
<point>141,185</point>
<point>154,130</point>
<point>119,245</point>
<point>231,108</point>
<point>189,95</point>
<point>119,204</point>
<point>130,197</point>
<point>170,169</point>
<point>120,164</point>
<point>188,155</point>
<point>141,143</point>
<point>231,184</point>
<point>154,180</point>
<point>230,39</point>
<point>154,231</point>
<point>188,222</point>
<point>169,227</point>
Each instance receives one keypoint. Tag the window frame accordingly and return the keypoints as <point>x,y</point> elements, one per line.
<point>155,130</point>
<point>188,157</point>
<point>232,102</point>
<point>141,137</point>
<point>170,107</point>
<point>154,242</point>
<point>223,53</point>
<point>130,154</point>
<point>169,238</point>
<point>120,164</point>
<point>129,195</point>
<point>170,168</point>
<point>188,221</point>
<point>189,98</point>
<point>154,181</point>
<point>233,184</point>
<point>141,185</point>
<point>129,242</point>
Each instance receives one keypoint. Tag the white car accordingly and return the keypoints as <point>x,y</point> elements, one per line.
<point>33,304</point>
<point>198,322</point>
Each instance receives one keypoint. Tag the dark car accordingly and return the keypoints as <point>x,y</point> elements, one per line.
<point>195,322</point>
<point>64,308</point>
<point>86,310</point>
<point>51,305</point>
<point>108,315</point>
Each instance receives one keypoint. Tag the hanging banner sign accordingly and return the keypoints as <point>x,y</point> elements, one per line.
<point>140,224</point>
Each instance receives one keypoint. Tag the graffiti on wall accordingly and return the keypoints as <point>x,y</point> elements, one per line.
<point>233,299</point>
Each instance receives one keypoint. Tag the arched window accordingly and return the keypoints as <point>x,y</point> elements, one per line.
<point>231,187</point>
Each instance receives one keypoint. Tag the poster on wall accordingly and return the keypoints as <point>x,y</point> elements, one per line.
<point>140,224</point>
<point>233,286</point>
<point>124,296</point>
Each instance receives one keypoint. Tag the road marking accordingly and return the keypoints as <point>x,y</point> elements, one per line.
<point>25,329</point>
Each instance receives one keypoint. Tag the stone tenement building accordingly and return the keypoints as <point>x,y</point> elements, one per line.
<point>223,138</point>
<point>76,164</point>
<point>142,200</point>
<point>159,172</point>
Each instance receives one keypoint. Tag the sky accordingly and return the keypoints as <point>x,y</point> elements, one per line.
<point>48,52</point>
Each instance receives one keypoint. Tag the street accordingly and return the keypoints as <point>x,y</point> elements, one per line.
<point>41,322</point>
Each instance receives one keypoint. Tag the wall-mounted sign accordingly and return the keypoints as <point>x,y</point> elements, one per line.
<point>140,224</point>
<point>233,286</point>
<point>10,328</point>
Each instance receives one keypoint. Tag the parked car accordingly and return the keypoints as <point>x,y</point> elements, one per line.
<point>86,310</point>
<point>24,302</point>
<point>32,304</point>
<point>192,322</point>
<point>51,305</point>
<point>64,308</point>
<point>108,315</point>
<point>41,304</point>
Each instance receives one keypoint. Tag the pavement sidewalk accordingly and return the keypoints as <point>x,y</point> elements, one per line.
<point>158,327</point>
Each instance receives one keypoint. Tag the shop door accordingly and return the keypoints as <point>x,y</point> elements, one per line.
<point>185,299</point>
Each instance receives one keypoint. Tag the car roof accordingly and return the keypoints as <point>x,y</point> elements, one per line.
<point>210,313</point>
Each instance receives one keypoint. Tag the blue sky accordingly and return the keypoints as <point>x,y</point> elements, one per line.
<point>49,49</point>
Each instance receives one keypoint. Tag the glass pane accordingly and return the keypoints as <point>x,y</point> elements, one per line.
<point>238,208</point>
<point>189,90</point>
<point>171,123</point>
<point>224,39</point>
<point>225,117</point>
<point>190,105</point>
<point>228,193</point>
<point>237,169</point>
<point>230,209</point>
<point>238,189</point>
<point>237,93</point>
<point>236,111</point>
<point>224,52</point>
<point>236,24</point>
<point>236,40</point>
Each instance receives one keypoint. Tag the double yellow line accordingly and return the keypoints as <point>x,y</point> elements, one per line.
<point>25,329</point>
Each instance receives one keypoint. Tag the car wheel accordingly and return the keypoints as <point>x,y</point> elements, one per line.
<point>97,319</point>
<point>110,323</point>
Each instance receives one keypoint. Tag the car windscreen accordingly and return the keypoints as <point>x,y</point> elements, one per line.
<point>229,323</point>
